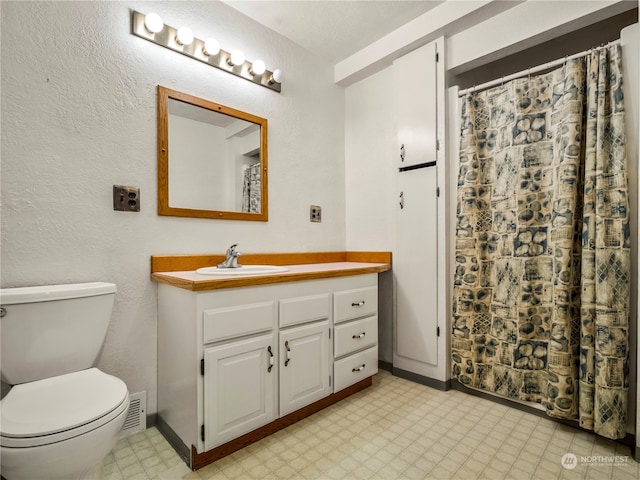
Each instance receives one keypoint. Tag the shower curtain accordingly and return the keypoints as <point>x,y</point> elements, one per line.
<point>542,279</point>
<point>251,189</point>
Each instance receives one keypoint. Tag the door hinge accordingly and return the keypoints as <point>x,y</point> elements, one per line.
<point>329,333</point>
<point>437,56</point>
<point>438,332</point>
<point>437,191</point>
<point>437,144</point>
<point>202,432</point>
<point>202,367</point>
<point>329,380</point>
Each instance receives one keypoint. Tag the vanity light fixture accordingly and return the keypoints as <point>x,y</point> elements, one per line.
<point>184,36</point>
<point>153,23</point>
<point>276,76</point>
<point>236,58</point>
<point>257,68</point>
<point>151,28</point>
<point>211,47</point>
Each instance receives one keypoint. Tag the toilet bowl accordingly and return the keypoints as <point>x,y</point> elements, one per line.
<point>62,415</point>
<point>60,428</point>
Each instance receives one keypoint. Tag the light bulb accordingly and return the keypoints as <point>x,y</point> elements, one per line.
<point>237,58</point>
<point>184,36</point>
<point>153,23</point>
<point>258,67</point>
<point>211,47</point>
<point>276,76</point>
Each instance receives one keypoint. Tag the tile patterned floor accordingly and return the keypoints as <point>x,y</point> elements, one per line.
<point>395,429</point>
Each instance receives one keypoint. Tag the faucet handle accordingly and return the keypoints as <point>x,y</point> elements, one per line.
<point>232,252</point>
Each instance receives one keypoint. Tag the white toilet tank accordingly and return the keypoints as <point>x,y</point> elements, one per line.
<point>51,330</point>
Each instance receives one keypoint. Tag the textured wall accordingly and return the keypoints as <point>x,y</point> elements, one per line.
<point>370,178</point>
<point>78,97</point>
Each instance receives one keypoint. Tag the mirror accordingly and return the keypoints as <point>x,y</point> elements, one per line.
<point>212,159</point>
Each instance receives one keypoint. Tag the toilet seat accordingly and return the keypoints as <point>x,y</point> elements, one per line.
<point>58,408</point>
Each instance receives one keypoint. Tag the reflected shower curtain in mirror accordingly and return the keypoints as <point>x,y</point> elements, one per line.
<point>542,280</point>
<point>251,189</point>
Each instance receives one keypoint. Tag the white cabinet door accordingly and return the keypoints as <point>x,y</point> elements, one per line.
<point>415,86</point>
<point>239,388</point>
<point>415,263</point>
<point>304,366</point>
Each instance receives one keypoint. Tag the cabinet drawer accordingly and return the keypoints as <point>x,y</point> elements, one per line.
<point>354,368</point>
<point>294,311</point>
<point>224,323</point>
<point>350,304</point>
<point>356,335</point>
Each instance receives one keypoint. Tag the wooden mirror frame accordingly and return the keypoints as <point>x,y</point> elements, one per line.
<point>164,94</point>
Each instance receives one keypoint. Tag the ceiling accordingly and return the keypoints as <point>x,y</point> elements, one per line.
<point>333,29</point>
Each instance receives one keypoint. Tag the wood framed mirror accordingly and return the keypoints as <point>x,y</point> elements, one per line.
<point>212,159</point>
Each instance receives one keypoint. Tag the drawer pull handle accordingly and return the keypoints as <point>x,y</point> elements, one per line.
<point>286,345</point>
<point>271,362</point>
<point>358,369</point>
<point>356,337</point>
<point>358,304</point>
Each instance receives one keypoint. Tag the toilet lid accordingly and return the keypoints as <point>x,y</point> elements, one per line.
<point>51,405</point>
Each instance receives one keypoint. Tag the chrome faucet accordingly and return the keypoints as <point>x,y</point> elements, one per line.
<point>232,258</point>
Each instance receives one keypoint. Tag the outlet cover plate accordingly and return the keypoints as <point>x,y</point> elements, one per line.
<point>315,213</point>
<point>126,199</point>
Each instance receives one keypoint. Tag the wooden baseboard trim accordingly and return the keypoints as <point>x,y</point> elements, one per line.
<point>199,460</point>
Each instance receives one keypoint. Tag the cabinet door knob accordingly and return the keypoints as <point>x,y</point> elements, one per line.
<point>358,369</point>
<point>359,336</point>
<point>286,345</point>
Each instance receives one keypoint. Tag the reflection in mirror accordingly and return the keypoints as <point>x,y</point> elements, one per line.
<point>211,159</point>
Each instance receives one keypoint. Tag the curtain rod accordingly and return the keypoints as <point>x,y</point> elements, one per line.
<point>539,68</point>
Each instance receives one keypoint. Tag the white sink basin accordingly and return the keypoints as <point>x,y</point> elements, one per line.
<point>243,270</point>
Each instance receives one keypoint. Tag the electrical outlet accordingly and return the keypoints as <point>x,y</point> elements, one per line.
<point>315,213</point>
<point>126,199</point>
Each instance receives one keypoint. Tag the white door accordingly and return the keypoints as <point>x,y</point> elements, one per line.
<point>239,388</point>
<point>415,83</point>
<point>415,263</point>
<point>304,366</point>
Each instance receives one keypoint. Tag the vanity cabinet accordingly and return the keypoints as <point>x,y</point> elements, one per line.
<point>239,388</point>
<point>236,361</point>
<point>304,366</point>
<point>355,339</point>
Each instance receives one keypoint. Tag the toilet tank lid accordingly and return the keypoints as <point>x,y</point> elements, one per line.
<point>47,293</point>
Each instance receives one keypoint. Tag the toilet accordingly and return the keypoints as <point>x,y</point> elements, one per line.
<point>62,415</point>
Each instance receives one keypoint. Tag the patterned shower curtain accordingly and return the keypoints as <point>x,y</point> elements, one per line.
<point>542,280</point>
<point>251,189</point>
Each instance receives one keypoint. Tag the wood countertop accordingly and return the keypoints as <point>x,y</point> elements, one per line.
<point>320,265</point>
